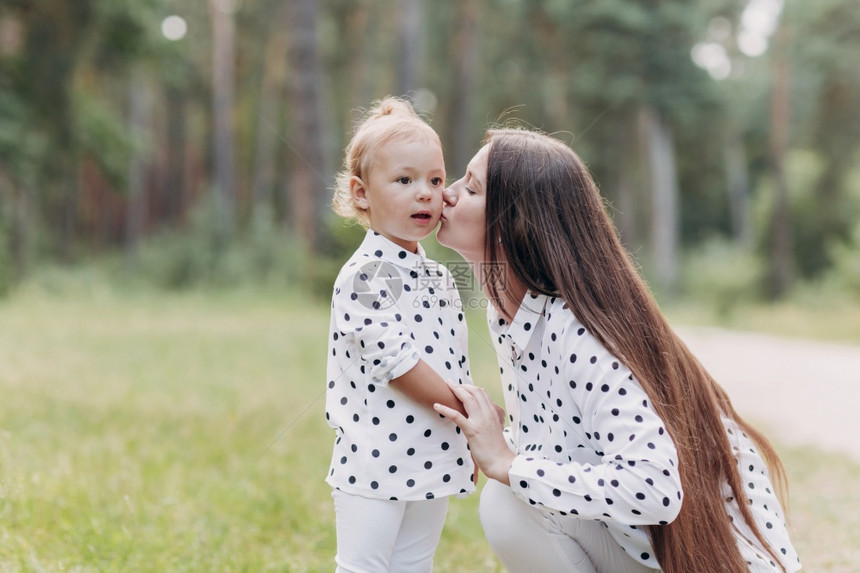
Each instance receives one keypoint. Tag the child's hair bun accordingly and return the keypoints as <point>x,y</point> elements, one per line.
<point>393,106</point>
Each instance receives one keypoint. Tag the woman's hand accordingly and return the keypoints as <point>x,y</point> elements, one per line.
<point>483,430</point>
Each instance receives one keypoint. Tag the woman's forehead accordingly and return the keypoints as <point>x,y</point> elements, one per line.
<point>477,169</point>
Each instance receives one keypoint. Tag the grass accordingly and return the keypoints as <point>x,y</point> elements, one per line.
<point>186,433</point>
<point>182,433</point>
<point>825,509</point>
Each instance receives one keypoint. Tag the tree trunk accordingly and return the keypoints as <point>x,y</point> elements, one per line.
<point>737,180</point>
<point>625,220</point>
<point>223,60</point>
<point>56,36</point>
<point>22,237</point>
<point>177,135</point>
<point>360,28</point>
<point>268,113</point>
<point>465,53</point>
<point>69,198</point>
<point>15,210</point>
<point>833,219</point>
<point>628,215</point>
<point>139,120</point>
<point>781,259</point>
<point>664,200</point>
<point>307,184</point>
<point>410,39</point>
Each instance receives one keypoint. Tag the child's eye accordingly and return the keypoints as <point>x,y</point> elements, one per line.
<point>436,181</point>
<point>404,180</point>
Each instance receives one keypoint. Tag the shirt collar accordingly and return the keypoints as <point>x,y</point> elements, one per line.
<point>381,248</point>
<point>521,329</point>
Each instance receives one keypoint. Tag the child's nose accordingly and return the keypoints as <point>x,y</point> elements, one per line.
<point>424,192</point>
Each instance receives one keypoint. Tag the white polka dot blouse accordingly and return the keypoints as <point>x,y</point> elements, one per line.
<point>590,445</point>
<point>391,307</point>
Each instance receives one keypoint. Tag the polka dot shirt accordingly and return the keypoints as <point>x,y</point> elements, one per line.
<point>589,443</point>
<point>391,308</point>
<point>763,503</point>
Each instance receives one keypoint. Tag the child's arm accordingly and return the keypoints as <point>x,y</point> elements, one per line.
<point>425,386</point>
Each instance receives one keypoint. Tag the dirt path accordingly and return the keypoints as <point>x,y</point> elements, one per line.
<point>798,392</point>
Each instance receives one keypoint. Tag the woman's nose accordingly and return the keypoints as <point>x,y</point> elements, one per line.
<point>450,195</point>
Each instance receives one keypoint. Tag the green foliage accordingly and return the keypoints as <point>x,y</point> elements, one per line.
<point>722,274</point>
<point>844,275</point>
<point>803,168</point>
<point>7,277</point>
<point>580,67</point>
<point>64,282</point>
<point>340,240</point>
<point>104,137</point>
<point>202,256</point>
<point>21,146</point>
<point>815,241</point>
<point>129,30</point>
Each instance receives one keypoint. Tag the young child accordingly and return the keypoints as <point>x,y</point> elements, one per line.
<point>397,334</point>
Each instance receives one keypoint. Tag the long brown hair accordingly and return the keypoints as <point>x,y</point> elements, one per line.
<point>547,221</point>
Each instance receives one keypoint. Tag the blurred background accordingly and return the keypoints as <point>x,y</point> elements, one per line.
<point>181,143</point>
<point>167,250</point>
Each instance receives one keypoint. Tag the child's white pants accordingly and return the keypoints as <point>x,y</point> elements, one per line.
<point>525,540</point>
<point>378,535</point>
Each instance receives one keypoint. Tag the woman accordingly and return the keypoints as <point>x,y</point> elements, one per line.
<point>622,453</point>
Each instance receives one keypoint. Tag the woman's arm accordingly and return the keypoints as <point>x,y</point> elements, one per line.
<point>625,484</point>
<point>623,466</point>
<point>483,428</point>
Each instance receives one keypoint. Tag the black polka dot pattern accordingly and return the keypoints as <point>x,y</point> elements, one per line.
<point>763,504</point>
<point>589,443</point>
<point>386,445</point>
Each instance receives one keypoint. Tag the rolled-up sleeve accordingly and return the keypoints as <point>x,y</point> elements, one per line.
<point>373,322</point>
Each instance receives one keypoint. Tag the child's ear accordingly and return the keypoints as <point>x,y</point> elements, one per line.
<point>358,191</point>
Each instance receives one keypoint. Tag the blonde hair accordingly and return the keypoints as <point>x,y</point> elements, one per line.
<point>389,119</point>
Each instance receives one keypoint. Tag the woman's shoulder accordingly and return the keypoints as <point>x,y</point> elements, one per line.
<point>562,322</point>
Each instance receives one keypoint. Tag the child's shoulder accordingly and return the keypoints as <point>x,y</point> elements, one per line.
<point>434,265</point>
<point>351,266</point>
<point>368,267</point>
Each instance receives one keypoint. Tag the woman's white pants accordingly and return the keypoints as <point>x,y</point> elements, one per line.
<point>378,535</point>
<point>527,540</point>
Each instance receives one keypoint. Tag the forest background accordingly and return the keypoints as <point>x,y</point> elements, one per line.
<point>196,142</point>
<point>167,249</point>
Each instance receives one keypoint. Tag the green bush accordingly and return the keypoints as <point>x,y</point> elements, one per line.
<point>722,274</point>
<point>6,270</point>
<point>202,255</point>
<point>844,275</point>
<point>339,239</point>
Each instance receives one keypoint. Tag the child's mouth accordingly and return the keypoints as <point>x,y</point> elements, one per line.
<point>422,217</point>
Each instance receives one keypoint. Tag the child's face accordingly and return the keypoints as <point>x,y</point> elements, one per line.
<point>403,191</point>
